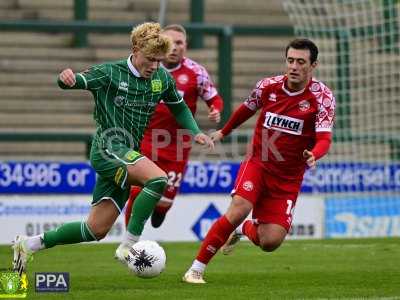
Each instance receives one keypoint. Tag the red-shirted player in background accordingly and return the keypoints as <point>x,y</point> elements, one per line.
<point>163,141</point>
<point>292,132</point>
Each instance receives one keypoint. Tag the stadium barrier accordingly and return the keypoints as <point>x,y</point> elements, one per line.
<point>38,196</point>
<point>34,214</point>
<point>224,34</point>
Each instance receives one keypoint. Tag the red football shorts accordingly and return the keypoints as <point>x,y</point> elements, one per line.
<point>273,198</point>
<point>175,171</point>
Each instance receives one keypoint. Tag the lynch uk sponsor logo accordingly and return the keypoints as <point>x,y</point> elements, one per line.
<point>283,123</point>
<point>272,97</point>
<point>123,86</point>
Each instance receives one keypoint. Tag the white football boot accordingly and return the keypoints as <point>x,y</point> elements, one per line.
<point>122,253</point>
<point>231,243</point>
<point>22,255</point>
<point>193,276</point>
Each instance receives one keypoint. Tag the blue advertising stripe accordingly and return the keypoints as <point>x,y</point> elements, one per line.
<point>46,178</point>
<point>200,177</point>
<point>362,216</point>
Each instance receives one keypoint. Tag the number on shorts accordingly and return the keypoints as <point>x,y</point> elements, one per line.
<point>174,179</point>
<point>289,207</point>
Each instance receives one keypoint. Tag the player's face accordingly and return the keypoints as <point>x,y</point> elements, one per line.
<point>178,50</point>
<point>146,64</point>
<point>299,68</point>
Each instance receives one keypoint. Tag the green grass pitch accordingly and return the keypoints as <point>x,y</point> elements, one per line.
<point>323,269</point>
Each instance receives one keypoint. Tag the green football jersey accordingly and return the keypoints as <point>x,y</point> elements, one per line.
<point>124,101</point>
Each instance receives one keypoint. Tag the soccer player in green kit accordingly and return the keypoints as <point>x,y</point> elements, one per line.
<point>125,93</point>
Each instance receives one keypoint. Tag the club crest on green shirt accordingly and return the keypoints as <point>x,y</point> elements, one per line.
<point>156,85</point>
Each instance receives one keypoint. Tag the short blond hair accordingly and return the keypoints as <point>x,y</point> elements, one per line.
<point>147,38</point>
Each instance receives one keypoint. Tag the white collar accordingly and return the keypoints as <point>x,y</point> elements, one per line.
<point>292,93</point>
<point>134,71</point>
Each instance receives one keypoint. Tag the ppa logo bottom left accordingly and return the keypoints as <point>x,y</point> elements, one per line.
<point>51,282</point>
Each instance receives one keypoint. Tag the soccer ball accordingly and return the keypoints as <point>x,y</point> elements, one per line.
<point>146,259</point>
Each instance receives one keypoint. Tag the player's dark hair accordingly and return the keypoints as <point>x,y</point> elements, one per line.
<point>304,44</point>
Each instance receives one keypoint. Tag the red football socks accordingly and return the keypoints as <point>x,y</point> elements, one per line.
<point>215,239</point>
<point>249,229</point>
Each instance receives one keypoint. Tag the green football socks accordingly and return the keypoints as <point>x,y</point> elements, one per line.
<point>68,233</point>
<point>144,204</point>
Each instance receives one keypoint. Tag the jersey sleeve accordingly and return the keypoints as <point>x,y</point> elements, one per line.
<point>95,77</point>
<point>171,95</point>
<point>254,101</point>
<point>205,86</point>
<point>326,111</point>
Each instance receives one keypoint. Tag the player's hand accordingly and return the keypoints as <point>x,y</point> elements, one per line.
<point>204,139</point>
<point>216,136</point>
<point>214,114</point>
<point>67,76</point>
<point>310,159</point>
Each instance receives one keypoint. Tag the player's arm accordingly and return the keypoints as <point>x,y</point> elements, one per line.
<point>323,129</point>
<point>207,91</point>
<point>69,80</point>
<point>242,113</point>
<point>91,79</point>
<point>215,106</point>
<point>183,115</point>
<point>321,148</point>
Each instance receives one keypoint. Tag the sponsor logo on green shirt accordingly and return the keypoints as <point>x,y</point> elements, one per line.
<point>156,85</point>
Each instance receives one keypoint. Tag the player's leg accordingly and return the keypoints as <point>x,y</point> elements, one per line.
<point>99,222</point>
<point>135,190</point>
<point>217,236</point>
<point>246,192</point>
<point>154,180</point>
<point>271,236</point>
<point>175,171</point>
<point>273,214</point>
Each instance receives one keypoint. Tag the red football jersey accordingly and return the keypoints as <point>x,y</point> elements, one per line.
<point>192,82</point>
<point>288,123</point>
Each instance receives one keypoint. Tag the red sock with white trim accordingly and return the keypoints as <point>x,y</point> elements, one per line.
<point>215,239</point>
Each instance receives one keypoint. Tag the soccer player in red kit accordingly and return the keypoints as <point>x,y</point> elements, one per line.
<point>164,142</point>
<point>292,132</point>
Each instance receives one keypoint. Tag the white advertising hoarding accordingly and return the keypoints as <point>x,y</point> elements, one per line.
<point>188,220</point>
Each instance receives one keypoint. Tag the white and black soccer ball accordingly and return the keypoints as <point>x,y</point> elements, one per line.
<point>146,259</point>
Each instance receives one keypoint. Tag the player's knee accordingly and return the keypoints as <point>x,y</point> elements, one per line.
<point>100,232</point>
<point>269,245</point>
<point>157,184</point>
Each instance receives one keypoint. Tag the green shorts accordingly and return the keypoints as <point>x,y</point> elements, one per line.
<point>111,168</point>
